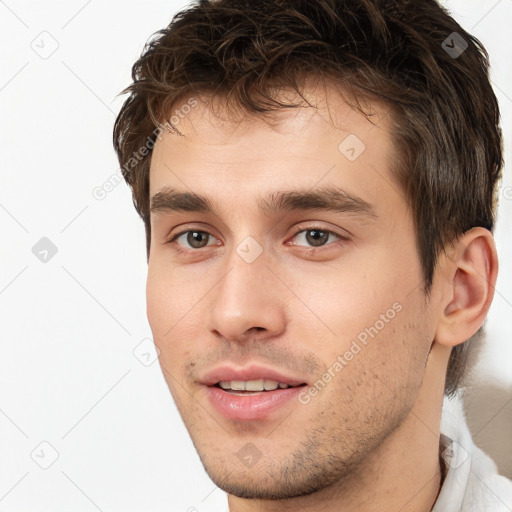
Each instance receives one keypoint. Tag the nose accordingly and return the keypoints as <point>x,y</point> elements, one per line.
<point>248,301</point>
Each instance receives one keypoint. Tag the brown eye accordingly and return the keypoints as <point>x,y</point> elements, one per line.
<point>315,236</point>
<point>197,239</point>
<point>194,238</point>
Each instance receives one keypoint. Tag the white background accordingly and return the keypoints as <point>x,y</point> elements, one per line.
<point>69,327</point>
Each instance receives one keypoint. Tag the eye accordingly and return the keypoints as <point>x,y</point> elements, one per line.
<point>196,238</point>
<point>316,236</point>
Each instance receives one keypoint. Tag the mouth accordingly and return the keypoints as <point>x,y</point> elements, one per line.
<point>251,394</point>
<point>253,387</point>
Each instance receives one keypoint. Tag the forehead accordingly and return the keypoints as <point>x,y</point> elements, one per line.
<point>326,145</point>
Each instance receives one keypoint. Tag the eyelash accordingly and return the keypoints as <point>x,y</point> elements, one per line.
<point>299,230</point>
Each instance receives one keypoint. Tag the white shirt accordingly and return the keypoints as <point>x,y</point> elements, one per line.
<point>472,482</point>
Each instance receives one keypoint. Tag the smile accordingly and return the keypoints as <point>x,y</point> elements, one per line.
<point>252,385</point>
<point>251,393</point>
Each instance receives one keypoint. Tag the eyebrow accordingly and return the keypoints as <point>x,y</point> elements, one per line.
<point>327,198</point>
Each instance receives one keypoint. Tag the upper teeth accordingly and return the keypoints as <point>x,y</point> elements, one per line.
<point>252,385</point>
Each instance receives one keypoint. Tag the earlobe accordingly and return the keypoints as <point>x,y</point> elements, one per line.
<point>469,277</point>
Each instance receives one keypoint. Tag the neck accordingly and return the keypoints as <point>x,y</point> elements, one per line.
<point>403,473</point>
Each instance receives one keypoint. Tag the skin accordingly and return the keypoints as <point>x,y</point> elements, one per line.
<point>369,440</point>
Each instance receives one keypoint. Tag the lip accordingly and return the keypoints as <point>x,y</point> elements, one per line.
<point>250,407</point>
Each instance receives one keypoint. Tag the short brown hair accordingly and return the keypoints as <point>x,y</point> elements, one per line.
<point>412,55</point>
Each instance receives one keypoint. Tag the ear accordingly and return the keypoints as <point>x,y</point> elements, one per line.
<point>468,277</point>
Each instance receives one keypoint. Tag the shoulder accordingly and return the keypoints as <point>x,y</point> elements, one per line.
<point>472,481</point>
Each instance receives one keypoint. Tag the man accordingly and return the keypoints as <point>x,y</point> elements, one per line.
<point>318,181</point>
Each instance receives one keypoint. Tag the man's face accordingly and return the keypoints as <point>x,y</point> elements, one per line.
<point>330,302</point>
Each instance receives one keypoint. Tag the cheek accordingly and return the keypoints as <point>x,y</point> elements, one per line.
<point>348,300</point>
<point>377,382</point>
<point>167,296</point>
<point>158,308</point>
<point>369,322</point>
<point>171,308</point>
<point>164,301</point>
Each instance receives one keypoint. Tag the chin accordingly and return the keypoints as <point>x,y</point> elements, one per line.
<point>291,477</point>
<point>254,488</point>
